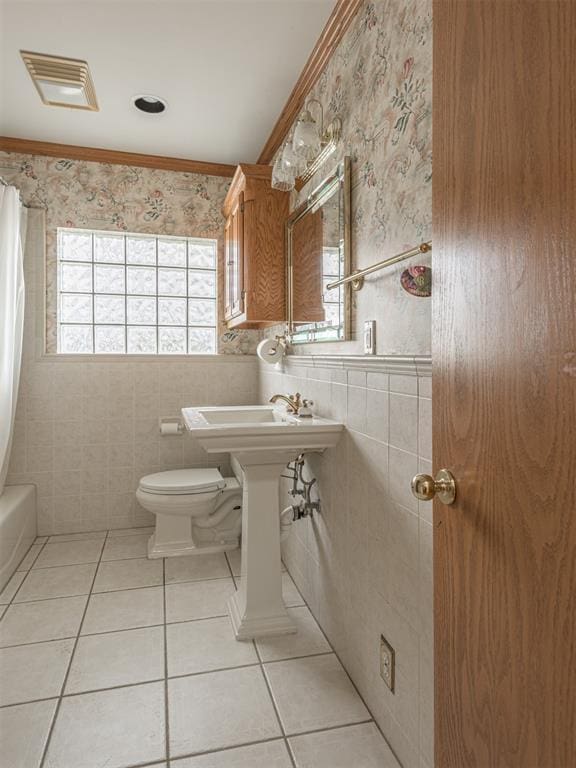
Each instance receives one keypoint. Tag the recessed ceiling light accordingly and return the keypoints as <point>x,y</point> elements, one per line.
<point>150,104</point>
<point>61,82</point>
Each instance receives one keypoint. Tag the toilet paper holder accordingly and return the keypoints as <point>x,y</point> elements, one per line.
<point>272,350</point>
<point>171,427</point>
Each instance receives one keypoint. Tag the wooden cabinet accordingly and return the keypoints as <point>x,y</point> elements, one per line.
<point>254,262</point>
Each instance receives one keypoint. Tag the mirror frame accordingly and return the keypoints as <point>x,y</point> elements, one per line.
<point>338,179</point>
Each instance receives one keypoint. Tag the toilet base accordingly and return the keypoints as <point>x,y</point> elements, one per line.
<point>176,535</point>
<point>178,549</point>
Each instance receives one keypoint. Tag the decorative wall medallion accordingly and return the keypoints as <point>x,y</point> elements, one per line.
<point>417,281</point>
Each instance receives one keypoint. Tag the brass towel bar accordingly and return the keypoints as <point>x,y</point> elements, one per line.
<point>357,278</point>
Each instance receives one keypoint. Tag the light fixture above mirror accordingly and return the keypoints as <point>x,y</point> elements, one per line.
<point>306,149</point>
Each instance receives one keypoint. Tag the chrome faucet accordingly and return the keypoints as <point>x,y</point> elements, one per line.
<point>293,402</point>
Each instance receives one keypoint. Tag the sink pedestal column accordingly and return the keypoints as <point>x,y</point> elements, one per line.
<point>257,608</point>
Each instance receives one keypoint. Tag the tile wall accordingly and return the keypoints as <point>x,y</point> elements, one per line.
<point>364,565</point>
<point>86,432</point>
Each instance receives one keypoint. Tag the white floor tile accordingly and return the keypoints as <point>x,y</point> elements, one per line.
<point>12,587</point>
<point>314,693</point>
<point>198,599</point>
<point>111,611</point>
<point>45,620</point>
<point>219,709</point>
<point>69,553</point>
<point>361,746</point>
<point>307,641</point>
<point>200,646</point>
<point>60,581</point>
<point>130,532</point>
<point>125,547</point>
<point>30,557</point>
<point>24,730</point>
<point>272,754</point>
<point>63,537</point>
<point>128,574</point>
<point>196,568</point>
<point>115,729</point>
<point>29,672</point>
<point>118,658</point>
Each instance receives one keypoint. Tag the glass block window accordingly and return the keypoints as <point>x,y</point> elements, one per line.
<point>135,294</point>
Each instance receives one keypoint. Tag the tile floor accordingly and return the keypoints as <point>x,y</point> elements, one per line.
<point>110,659</point>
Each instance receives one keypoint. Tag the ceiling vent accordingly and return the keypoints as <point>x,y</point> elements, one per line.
<point>61,82</point>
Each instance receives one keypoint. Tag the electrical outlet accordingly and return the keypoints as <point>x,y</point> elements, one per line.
<point>387,662</point>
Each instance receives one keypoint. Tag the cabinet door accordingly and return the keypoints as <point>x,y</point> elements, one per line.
<point>234,263</point>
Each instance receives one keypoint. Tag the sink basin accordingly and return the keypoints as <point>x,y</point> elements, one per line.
<point>263,439</point>
<point>235,429</point>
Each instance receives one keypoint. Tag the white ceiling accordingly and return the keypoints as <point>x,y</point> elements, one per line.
<point>225,68</point>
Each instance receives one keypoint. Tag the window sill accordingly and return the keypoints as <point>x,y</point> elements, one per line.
<point>55,357</point>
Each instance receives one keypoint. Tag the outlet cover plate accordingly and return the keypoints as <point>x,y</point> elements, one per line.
<point>387,663</point>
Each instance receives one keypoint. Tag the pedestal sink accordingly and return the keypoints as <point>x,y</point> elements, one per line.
<point>263,439</point>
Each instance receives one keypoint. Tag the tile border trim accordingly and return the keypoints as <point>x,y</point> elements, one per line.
<point>404,365</point>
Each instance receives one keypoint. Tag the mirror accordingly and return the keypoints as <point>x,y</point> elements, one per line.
<point>318,253</point>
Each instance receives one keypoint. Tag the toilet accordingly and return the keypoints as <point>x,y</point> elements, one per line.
<point>197,511</point>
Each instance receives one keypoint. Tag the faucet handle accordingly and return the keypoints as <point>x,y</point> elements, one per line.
<point>305,410</point>
<point>296,399</point>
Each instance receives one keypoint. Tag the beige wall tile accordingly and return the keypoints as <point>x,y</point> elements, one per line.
<point>404,422</point>
<point>364,564</point>
<point>425,428</point>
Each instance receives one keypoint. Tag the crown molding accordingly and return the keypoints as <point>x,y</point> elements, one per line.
<point>96,155</point>
<point>336,26</point>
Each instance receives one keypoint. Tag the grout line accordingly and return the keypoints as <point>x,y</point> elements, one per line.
<point>25,577</point>
<point>166,694</point>
<point>271,695</point>
<point>77,640</point>
<point>331,728</point>
<point>64,565</point>
<point>166,677</point>
<point>230,569</point>
<point>188,755</point>
<point>294,658</point>
<point>106,591</point>
<point>109,631</point>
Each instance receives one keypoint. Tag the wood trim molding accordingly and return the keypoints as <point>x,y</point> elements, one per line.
<point>336,26</point>
<point>95,155</point>
<point>244,171</point>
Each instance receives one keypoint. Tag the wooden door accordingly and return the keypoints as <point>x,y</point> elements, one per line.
<point>234,260</point>
<point>504,385</point>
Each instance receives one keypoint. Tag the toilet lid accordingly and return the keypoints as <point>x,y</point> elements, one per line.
<point>183,481</point>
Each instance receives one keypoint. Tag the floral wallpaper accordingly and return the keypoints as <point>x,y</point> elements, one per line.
<point>379,82</point>
<point>117,197</point>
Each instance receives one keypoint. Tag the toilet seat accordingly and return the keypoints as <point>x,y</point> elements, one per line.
<point>179,482</point>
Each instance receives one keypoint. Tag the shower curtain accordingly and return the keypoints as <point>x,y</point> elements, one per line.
<point>12,228</point>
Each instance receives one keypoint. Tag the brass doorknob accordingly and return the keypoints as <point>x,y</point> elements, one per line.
<point>425,487</point>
